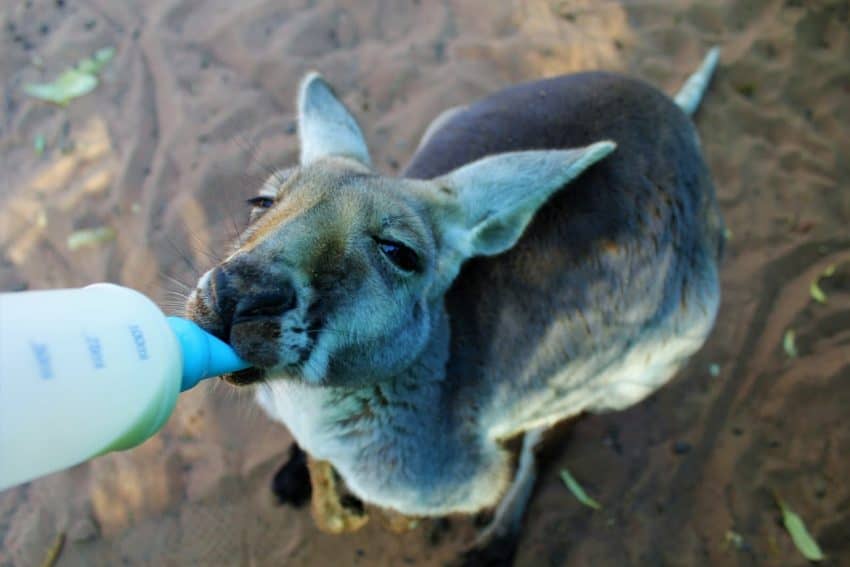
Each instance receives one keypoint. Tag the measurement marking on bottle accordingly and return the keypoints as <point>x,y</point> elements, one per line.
<point>139,341</point>
<point>95,351</point>
<point>42,358</point>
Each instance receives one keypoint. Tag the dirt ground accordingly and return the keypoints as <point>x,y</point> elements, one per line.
<point>198,104</point>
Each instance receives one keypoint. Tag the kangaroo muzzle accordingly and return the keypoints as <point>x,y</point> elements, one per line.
<point>250,306</point>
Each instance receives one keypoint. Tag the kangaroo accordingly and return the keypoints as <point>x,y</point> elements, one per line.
<point>549,250</point>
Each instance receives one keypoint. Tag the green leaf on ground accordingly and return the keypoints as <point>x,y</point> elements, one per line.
<point>39,144</point>
<point>74,82</point>
<point>734,539</point>
<point>96,62</point>
<point>578,491</point>
<point>799,534</point>
<point>89,237</point>
<point>68,86</point>
<point>816,292</point>
<point>814,289</point>
<point>789,343</point>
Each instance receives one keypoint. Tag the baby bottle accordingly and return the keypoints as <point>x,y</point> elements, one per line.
<point>91,370</point>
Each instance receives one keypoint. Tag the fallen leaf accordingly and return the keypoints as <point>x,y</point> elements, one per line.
<point>578,491</point>
<point>789,344</point>
<point>90,237</point>
<point>68,86</point>
<point>39,144</point>
<point>735,539</point>
<point>53,552</point>
<point>816,292</point>
<point>799,534</point>
<point>814,289</point>
<point>96,62</point>
<point>74,82</point>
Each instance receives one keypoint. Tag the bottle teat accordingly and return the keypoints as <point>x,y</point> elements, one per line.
<point>204,355</point>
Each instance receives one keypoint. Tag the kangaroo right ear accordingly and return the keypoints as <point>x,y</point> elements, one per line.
<point>325,126</point>
<point>484,207</point>
<point>500,194</point>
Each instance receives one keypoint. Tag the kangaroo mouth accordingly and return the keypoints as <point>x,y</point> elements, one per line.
<point>245,377</point>
<point>262,340</point>
<point>257,341</point>
<point>257,371</point>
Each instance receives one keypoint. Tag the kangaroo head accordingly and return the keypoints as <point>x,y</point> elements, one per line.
<point>337,278</point>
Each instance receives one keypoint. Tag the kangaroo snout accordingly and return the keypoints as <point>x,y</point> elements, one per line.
<point>253,308</point>
<point>241,294</point>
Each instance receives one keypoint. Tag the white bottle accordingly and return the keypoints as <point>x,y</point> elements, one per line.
<point>91,370</point>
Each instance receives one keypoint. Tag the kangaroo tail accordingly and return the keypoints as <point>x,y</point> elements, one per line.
<point>691,93</point>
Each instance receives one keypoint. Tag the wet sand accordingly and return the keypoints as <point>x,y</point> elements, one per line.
<point>198,104</point>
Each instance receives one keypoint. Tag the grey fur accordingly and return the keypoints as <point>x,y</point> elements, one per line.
<point>610,286</point>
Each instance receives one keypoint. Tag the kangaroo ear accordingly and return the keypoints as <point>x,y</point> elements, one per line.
<point>325,126</point>
<point>498,195</point>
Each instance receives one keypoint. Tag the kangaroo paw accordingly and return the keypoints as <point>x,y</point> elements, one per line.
<point>333,512</point>
<point>291,483</point>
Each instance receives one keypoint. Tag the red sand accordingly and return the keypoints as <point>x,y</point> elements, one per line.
<point>199,102</point>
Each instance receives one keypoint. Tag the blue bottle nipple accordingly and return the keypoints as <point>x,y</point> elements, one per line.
<point>204,355</point>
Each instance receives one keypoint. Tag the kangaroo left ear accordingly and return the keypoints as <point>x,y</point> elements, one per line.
<point>325,126</point>
<point>498,195</point>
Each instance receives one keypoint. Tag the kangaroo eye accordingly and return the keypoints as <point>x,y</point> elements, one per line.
<point>261,202</point>
<point>400,255</point>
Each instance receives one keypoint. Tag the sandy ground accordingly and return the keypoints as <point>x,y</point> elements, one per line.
<point>198,103</point>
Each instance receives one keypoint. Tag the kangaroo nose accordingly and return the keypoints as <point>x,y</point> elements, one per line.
<point>266,303</point>
<point>257,299</point>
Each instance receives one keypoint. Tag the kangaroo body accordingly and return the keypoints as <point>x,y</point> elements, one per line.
<point>405,328</point>
<point>614,283</point>
<point>612,286</point>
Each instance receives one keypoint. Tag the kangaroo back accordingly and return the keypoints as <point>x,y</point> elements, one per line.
<point>658,155</point>
<point>624,255</point>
